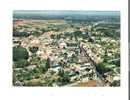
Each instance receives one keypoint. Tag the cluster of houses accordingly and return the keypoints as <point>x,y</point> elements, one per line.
<point>59,51</point>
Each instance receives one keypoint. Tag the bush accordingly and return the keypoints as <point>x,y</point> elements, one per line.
<point>33,49</point>
<point>22,63</point>
<point>20,53</point>
<point>117,55</point>
<point>75,58</point>
<point>21,76</point>
<point>118,70</point>
<point>116,62</point>
<point>52,72</point>
<point>20,34</point>
<point>115,83</point>
<point>33,84</point>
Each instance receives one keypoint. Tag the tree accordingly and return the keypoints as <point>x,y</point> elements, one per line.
<point>75,58</point>
<point>48,63</point>
<point>52,36</point>
<point>102,69</point>
<point>43,30</point>
<point>61,73</point>
<point>117,62</point>
<point>44,69</point>
<point>20,53</point>
<point>76,52</point>
<point>33,49</point>
<point>78,33</point>
<point>39,69</point>
<point>65,55</point>
<point>90,40</point>
<point>63,77</point>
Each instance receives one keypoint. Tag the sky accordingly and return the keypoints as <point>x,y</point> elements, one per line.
<point>66,12</point>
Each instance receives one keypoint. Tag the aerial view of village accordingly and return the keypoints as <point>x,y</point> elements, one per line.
<point>66,48</point>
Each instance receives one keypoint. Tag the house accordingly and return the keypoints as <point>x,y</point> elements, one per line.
<point>83,67</point>
<point>31,67</point>
<point>63,45</point>
<point>116,78</point>
<point>54,63</point>
<point>55,69</point>
<point>39,53</point>
<point>98,59</point>
<point>47,44</point>
<point>82,58</point>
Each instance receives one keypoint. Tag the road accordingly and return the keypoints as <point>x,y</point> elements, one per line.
<point>100,79</point>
